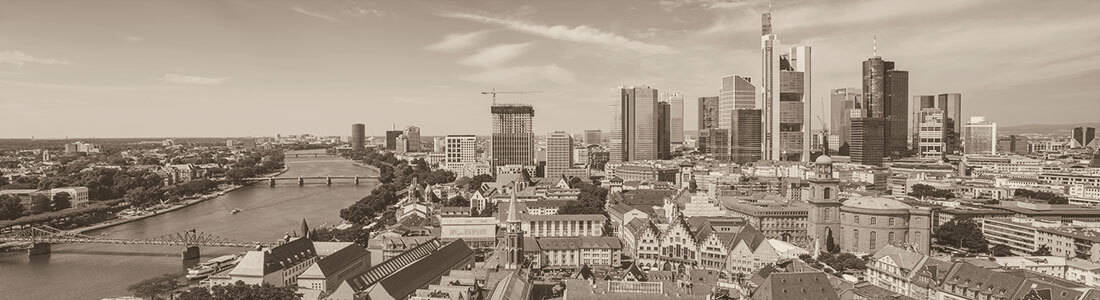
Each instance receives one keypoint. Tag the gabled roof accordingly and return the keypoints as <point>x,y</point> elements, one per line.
<point>351,254</point>
<point>364,280</point>
<point>638,226</point>
<point>908,261</point>
<point>286,255</point>
<point>750,235</point>
<point>405,281</point>
<point>797,285</point>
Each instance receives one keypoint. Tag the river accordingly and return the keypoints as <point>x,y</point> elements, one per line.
<point>267,213</point>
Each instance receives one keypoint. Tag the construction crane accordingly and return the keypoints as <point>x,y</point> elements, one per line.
<point>494,92</point>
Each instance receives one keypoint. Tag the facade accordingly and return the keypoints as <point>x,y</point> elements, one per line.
<point>737,93</point>
<point>841,103</point>
<point>278,266</point>
<point>391,139</point>
<point>785,98</point>
<point>664,130</point>
<point>932,132</point>
<point>460,151</point>
<point>981,136</point>
<point>951,104</point>
<point>412,136</point>
<point>594,137</point>
<point>868,145</point>
<point>358,136</point>
<point>559,154</point>
<point>717,143</point>
<point>603,251</point>
<point>513,138</point>
<point>563,225</point>
<point>745,140</point>
<point>886,97</point>
<point>676,118</point>
<point>635,134</point>
<point>708,119</point>
<point>477,232</point>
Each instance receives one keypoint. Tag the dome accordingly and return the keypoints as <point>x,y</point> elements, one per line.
<point>823,160</point>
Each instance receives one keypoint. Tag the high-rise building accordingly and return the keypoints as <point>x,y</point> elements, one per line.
<point>635,134</point>
<point>412,133</point>
<point>718,143</point>
<point>867,141</point>
<point>402,144</point>
<point>745,137</point>
<point>358,136</point>
<point>1083,137</point>
<point>460,150</point>
<point>931,131</point>
<point>513,138</point>
<point>676,118</point>
<point>391,139</point>
<point>737,93</point>
<point>981,136</point>
<point>886,96</point>
<point>841,103</point>
<point>951,103</point>
<point>664,130</point>
<point>559,154</point>
<point>785,98</point>
<point>1013,144</point>
<point>708,119</point>
<point>593,137</point>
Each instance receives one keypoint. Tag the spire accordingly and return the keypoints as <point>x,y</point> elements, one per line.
<point>512,218</point>
<point>874,47</point>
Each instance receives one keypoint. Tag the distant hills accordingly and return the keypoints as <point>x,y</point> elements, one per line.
<point>1047,129</point>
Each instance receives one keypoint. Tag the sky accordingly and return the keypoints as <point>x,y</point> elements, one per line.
<point>77,68</point>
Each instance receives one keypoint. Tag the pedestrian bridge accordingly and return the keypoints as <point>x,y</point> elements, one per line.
<point>41,237</point>
<point>303,179</point>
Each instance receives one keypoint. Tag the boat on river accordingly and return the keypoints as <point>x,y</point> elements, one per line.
<point>215,265</point>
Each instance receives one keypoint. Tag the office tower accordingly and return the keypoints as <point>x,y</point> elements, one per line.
<point>559,154</point>
<point>635,135</point>
<point>664,130</point>
<point>867,141</point>
<point>460,149</point>
<point>615,138</point>
<point>745,138</point>
<point>841,103</point>
<point>593,137</point>
<point>439,144</point>
<point>931,130</point>
<point>513,138</point>
<point>785,98</point>
<point>1012,144</point>
<point>951,103</point>
<point>402,144</point>
<point>391,139</point>
<point>1083,137</point>
<point>737,93</point>
<point>886,96</point>
<point>676,118</point>
<point>708,118</point>
<point>981,136</point>
<point>412,133</point>
<point>718,143</point>
<point>358,136</point>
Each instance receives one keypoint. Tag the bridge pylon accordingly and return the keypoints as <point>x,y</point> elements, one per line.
<point>356,179</point>
<point>301,181</point>
<point>328,180</point>
<point>190,252</point>
<point>38,248</point>
<point>271,181</point>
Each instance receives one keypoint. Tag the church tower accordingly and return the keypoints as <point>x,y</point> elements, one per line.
<point>513,240</point>
<point>823,195</point>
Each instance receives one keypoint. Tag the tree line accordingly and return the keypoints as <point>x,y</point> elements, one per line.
<point>395,175</point>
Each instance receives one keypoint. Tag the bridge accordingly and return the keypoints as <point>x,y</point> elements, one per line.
<point>41,237</point>
<point>310,155</point>
<point>302,179</point>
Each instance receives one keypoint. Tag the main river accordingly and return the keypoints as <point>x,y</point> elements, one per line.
<point>267,213</point>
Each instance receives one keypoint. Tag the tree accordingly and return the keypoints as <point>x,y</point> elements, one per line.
<point>241,291</point>
<point>923,190</point>
<point>10,207</point>
<point>830,244</point>
<point>962,233</point>
<point>144,196</point>
<point>1000,250</point>
<point>61,201</point>
<point>1042,251</point>
<point>458,201</point>
<point>157,287</point>
<point>40,203</point>
<point>693,186</point>
<point>1051,198</point>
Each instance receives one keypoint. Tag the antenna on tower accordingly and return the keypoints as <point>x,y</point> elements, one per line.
<point>874,47</point>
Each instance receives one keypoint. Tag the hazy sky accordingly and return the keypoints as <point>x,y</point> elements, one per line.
<point>146,68</point>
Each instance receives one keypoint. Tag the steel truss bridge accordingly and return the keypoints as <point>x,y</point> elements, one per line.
<point>302,179</point>
<point>41,237</point>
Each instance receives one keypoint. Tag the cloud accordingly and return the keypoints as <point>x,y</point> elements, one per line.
<point>578,34</point>
<point>827,13</point>
<point>192,79</point>
<point>496,55</point>
<point>524,75</point>
<point>299,9</point>
<point>18,58</point>
<point>133,38</point>
<point>458,41</point>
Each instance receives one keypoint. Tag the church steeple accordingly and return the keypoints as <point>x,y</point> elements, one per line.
<point>305,229</point>
<point>513,243</point>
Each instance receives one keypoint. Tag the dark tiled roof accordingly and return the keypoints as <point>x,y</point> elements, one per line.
<point>800,285</point>
<point>340,259</point>
<point>422,272</point>
<point>289,254</point>
<point>362,281</point>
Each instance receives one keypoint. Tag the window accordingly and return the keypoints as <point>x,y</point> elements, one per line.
<point>890,236</point>
<point>872,220</point>
<point>827,211</point>
<point>872,242</point>
<point>855,238</point>
<point>855,219</point>
<point>891,221</point>
<point>827,192</point>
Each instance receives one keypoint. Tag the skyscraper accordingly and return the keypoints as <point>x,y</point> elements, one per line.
<point>931,132</point>
<point>867,141</point>
<point>737,93</point>
<point>841,103</point>
<point>981,136</point>
<point>886,96</point>
<point>593,136</point>
<point>745,137</point>
<point>636,117</point>
<point>664,130</point>
<point>1083,136</point>
<point>513,138</point>
<point>412,133</point>
<point>391,139</point>
<point>951,103</point>
<point>358,136</point>
<point>676,119</point>
<point>559,154</point>
<point>708,119</point>
<point>785,97</point>
<point>718,141</point>
<point>402,144</point>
